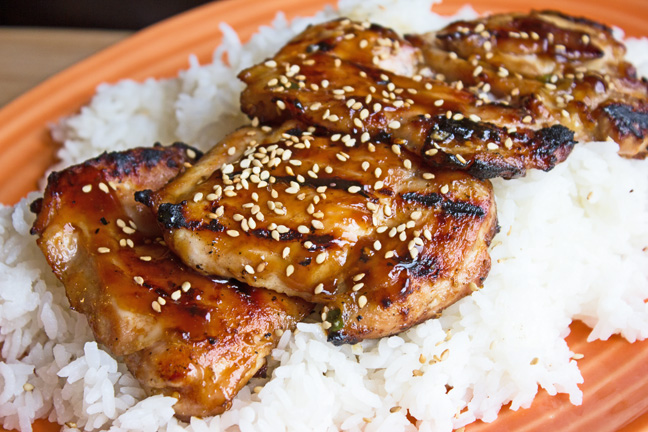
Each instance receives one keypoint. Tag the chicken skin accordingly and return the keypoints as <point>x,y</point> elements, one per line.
<point>365,229</point>
<point>182,334</point>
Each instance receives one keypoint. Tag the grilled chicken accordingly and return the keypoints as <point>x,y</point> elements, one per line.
<point>364,229</point>
<point>459,97</point>
<point>182,334</point>
<point>561,68</point>
<point>351,78</point>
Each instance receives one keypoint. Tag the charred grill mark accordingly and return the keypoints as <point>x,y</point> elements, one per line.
<point>552,138</point>
<point>322,46</point>
<point>215,226</point>
<point>628,120</point>
<point>449,129</point>
<point>265,234</point>
<point>36,206</point>
<point>171,215</point>
<point>454,208</point>
<point>144,197</point>
<point>487,170</point>
<point>423,267</point>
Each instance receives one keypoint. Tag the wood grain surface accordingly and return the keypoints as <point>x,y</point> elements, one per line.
<point>29,55</point>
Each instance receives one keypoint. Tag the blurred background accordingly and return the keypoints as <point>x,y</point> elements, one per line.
<point>39,38</point>
<point>103,14</point>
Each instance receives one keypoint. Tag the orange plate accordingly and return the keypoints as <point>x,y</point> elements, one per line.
<point>615,372</point>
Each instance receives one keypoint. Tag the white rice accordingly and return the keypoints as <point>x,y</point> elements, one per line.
<point>571,247</point>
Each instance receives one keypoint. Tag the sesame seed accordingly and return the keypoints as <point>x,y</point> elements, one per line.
<point>389,254</point>
<point>28,387</point>
<point>438,102</point>
<point>508,143</point>
<point>156,307</point>
<point>379,185</point>
<point>197,197</point>
<point>271,64</point>
<point>354,189</point>
<point>362,301</point>
<point>527,119</point>
<point>249,269</point>
<point>87,188</point>
<point>176,295</point>
<point>290,270</point>
<point>377,245</point>
<point>445,189</point>
<point>394,124</point>
<point>445,354</point>
<point>358,277</point>
<point>303,229</point>
<point>577,356</point>
<point>103,250</point>
<point>186,286</point>
<point>145,258</point>
<point>104,187</point>
<point>281,104</point>
<point>416,215</point>
<point>139,280</point>
<point>428,176</point>
<point>317,224</point>
<point>492,146</point>
<point>396,149</point>
<point>233,233</point>
<point>319,288</point>
<point>460,158</point>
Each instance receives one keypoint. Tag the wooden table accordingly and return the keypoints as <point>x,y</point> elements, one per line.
<point>28,56</point>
